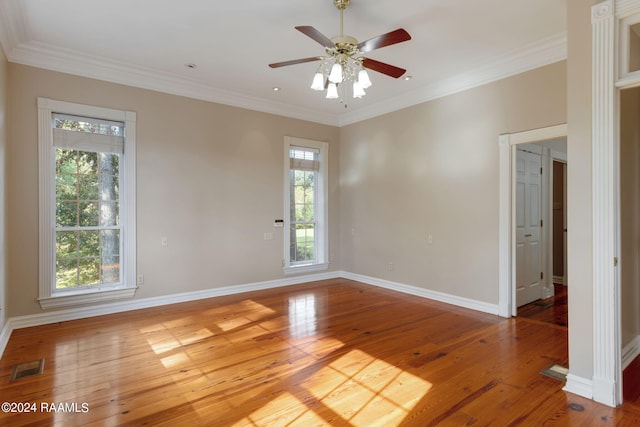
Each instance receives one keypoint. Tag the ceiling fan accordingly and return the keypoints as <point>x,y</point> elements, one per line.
<point>343,61</point>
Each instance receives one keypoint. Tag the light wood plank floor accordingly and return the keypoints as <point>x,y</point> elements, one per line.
<point>335,352</point>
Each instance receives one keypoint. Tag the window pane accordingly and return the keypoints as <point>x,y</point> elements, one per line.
<point>66,161</point>
<point>302,243</point>
<point>88,272</point>
<point>109,214</point>
<point>88,187</point>
<point>66,214</point>
<point>110,269</point>
<point>87,124</point>
<point>66,244</point>
<point>89,214</point>
<point>89,243</point>
<point>66,273</point>
<point>66,187</point>
<point>87,162</point>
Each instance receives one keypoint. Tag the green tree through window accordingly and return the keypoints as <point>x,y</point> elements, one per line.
<point>87,210</point>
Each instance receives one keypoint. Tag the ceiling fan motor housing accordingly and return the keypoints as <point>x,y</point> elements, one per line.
<point>341,4</point>
<point>344,45</point>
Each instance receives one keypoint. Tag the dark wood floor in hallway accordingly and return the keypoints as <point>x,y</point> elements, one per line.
<point>335,352</point>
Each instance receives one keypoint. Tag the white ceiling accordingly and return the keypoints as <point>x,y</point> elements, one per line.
<point>456,44</point>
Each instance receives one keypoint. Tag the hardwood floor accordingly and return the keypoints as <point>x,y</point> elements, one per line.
<point>335,352</point>
<point>553,310</point>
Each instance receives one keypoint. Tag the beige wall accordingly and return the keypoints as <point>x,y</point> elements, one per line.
<point>209,178</point>
<point>629,213</point>
<point>580,264</point>
<point>3,144</point>
<point>433,170</point>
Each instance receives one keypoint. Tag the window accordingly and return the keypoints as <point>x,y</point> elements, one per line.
<point>87,203</point>
<point>305,206</point>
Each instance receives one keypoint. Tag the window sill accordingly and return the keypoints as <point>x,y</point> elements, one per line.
<point>85,297</point>
<point>308,268</point>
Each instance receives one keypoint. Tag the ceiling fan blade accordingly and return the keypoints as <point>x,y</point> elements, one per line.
<point>381,67</point>
<point>316,35</point>
<point>295,61</point>
<point>397,36</point>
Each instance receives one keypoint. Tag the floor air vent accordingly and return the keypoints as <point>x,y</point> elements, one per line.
<point>556,372</point>
<point>27,369</point>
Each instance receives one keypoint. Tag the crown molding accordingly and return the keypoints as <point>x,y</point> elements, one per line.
<point>535,55</point>
<point>42,55</point>
<point>18,49</point>
<point>13,30</point>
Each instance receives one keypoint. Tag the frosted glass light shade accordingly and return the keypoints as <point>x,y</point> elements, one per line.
<point>336,73</point>
<point>332,91</point>
<point>358,91</point>
<point>318,82</point>
<point>363,79</point>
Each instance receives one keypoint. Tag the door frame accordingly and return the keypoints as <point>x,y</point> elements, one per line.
<point>507,147</point>
<point>560,158</point>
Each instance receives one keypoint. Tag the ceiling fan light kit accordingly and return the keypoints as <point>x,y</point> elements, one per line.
<point>343,62</point>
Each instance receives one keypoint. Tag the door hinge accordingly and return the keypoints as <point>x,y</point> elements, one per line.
<point>540,171</point>
<point>615,261</point>
<point>541,223</point>
<point>541,275</point>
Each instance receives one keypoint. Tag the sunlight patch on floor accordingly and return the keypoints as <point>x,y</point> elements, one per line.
<point>368,389</point>
<point>245,312</point>
<point>284,410</point>
<point>357,387</point>
<point>175,359</point>
<point>170,335</point>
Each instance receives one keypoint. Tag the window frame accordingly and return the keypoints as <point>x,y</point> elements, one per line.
<point>48,295</point>
<point>321,232</point>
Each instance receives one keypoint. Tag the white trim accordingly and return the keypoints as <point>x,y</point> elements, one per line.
<point>538,54</point>
<point>578,385</point>
<point>19,49</point>
<point>506,247</point>
<point>304,269</point>
<point>5,335</point>
<point>484,307</point>
<point>630,352</point>
<point>123,306</point>
<point>46,168</point>
<point>322,206</point>
<point>92,297</point>
<point>607,372</point>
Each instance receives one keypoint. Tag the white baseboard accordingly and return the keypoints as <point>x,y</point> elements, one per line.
<point>558,279</point>
<point>425,293</point>
<point>630,351</point>
<point>20,322</point>
<point>578,385</point>
<point>136,304</point>
<point>5,334</point>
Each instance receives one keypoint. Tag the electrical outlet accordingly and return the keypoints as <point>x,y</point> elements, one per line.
<point>140,279</point>
<point>164,241</point>
<point>430,239</point>
<point>390,266</point>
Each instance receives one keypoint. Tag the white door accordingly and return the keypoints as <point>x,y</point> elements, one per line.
<point>528,227</point>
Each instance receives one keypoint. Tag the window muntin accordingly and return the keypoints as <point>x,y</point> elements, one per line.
<point>87,221</point>
<point>87,250</point>
<point>306,233</point>
<point>303,182</point>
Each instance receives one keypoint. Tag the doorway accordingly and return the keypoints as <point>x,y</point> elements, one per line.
<point>508,143</point>
<point>541,285</point>
<point>629,207</point>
